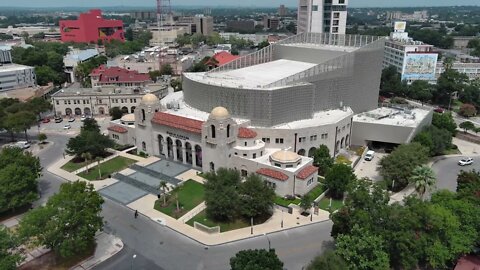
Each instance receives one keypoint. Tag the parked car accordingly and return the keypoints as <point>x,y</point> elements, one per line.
<point>67,126</point>
<point>58,120</point>
<point>439,110</point>
<point>369,155</point>
<point>83,118</point>
<point>46,120</point>
<point>465,161</point>
<point>22,144</point>
<point>72,119</point>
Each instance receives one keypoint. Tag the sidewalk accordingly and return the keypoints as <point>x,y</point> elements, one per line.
<point>107,246</point>
<point>145,206</point>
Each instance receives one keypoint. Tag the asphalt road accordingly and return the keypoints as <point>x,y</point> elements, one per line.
<point>158,247</point>
<point>447,170</point>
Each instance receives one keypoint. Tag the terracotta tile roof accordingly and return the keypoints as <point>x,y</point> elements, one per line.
<point>307,171</point>
<point>246,133</point>
<point>117,129</point>
<point>222,58</point>
<point>119,75</point>
<point>273,174</point>
<point>180,122</point>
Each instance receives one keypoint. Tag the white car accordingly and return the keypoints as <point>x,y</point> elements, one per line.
<point>369,156</point>
<point>465,161</point>
<point>67,126</point>
<point>83,118</point>
<point>22,144</point>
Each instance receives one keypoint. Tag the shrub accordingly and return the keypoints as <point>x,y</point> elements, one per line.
<point>467,110</point>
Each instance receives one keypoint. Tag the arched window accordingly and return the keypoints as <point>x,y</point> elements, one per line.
<point>144,146</point>
<point>143,114</point>
<point>228,131</point>
<point>212,166</point>
<point>212,128</point>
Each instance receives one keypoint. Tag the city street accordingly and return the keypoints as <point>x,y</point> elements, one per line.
<point>447,170</point>
<point>159,247</point>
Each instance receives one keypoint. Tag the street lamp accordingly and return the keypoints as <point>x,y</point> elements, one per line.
<point>268,239</point>
<point>133,258</point>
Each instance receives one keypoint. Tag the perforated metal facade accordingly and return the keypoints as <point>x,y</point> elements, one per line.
<point>347,72</point>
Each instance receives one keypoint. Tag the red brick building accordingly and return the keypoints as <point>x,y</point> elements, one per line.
<point>118,76</point>
<point>91,27</point>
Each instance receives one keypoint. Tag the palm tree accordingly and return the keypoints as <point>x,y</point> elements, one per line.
<point>164,187</point>
<point>424,179</point>
<point>87,157</point>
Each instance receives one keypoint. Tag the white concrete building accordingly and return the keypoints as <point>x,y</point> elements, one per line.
<point>99,101</point>
<point>389,125</point>
<point>5,55</point>
<point>414,60</point>
<point>472,70</point>
<point>13,76</point>
<point>322,16</point>
<point>76,57</point>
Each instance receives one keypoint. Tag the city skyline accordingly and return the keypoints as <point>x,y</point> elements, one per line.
<point>246,3</point>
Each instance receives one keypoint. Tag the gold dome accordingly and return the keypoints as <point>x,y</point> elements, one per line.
<point>285,156</point>
<point>219,113</point>
<point>149,99</point>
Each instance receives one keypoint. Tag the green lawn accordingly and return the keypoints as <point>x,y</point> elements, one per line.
<point>284,202</point>
<point>224,227</point>
<point>73,166</point>
<point>107,168</point>
<point>325,202</point>
<point>317,191</point>
<point>190,194</point>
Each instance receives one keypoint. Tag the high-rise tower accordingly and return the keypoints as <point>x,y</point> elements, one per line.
<point>322,16</point>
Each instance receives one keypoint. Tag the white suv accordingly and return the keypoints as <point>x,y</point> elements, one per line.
<point>369,156</point>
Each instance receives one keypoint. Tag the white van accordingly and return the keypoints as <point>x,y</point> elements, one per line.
<point>369,156</point>
<point>22,144</point>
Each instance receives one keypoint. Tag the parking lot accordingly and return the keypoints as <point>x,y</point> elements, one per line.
<point>370,169</point>
<point>75,126</point>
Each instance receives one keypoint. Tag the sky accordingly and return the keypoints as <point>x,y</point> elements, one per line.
<point>211,3</point>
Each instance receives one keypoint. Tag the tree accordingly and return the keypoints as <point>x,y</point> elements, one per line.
<point>468,185</point>
<point>444,121</point>
<point>176,84</point>
<point>263,44</point>
<point>329,260</point>
<point>322,159</point>
<point>164,188</point>
<point>435,139</point>
<point>306,202</point>
<point>467,125</point>
<point>87,157</point>
<point>166,70</point>
<point>221,195</point>
<point>68,222</point>
<point>89,140</point>
<point>424,179</point>
<point>420,90</point>
<point>391,81</point>
<point>115,113</point>
<point>20,121</point>
<point>337,179</point>
<point>90,124</point>
<point>129,34</point>
<point>154,74</point>
<point>39,105</point>
<point>258,259</point>
<point>8,260</point>
<point>399,165</point>
<point>362,250</point>
<point>256,197</point>
<point>467,110</point>
<point>449,82</point>
<point>42,137</point>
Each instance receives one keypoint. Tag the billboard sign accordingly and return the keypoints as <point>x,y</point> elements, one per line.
<point>400,26</point>
<point>419,66</point>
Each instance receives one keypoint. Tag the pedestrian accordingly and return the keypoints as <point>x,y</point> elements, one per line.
<point>63,155</point>
<point>136,213</point>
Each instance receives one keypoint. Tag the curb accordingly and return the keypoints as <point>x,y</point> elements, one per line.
<point>79,265</point>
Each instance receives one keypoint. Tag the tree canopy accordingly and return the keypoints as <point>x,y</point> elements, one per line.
<point>435,139</point>
<point>322,159</point>
<point>444,121</point>
<point>68,222</point>
<point>90,140</point>
<point>337,179</point>
<point>258,259</point>
<point>8,260</point>
<point>329,260</point>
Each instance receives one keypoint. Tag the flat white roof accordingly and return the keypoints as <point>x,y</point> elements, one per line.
<point>392,116</point>
<point>322,46</point>
<point>13,67</point>
<point>253,76</point>
<point>319,118</point>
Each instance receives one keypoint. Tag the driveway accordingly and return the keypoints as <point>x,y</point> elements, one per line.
<point>447,171</point>
<point>370,169</point>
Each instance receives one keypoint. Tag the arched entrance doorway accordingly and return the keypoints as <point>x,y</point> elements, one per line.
<point>188,151</point>
<point>132,110</point>
<point>78,111</point>
<point>311,152</point>
<point>198,155</point>
<point>87,111</point>
<point>161,142</point>
<point>124,110</point>
<point>301,152</point>
<point>68,111</point>
<point>341,143</point>
<point>101,110</point>
<point>169,147</point>
<point>178,145</point>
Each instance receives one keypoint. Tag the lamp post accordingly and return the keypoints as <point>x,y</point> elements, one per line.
<point>268,239</point>
<point>133,259</point>
<point>281,224</point>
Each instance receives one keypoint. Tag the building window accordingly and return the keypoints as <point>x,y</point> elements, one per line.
<point>236,154</point>
<point>212,129</point>
<point>324,135</point>
<point>266,140</point>
<point>279,140</point>
<point>302,139</point>
<point>289,166</point>
<point>270,184</point>
<point>58,103</point>
<point>245,143</point>
<point>144,146</point>
<point>244,173</point>
<point>277,165</point>
<point>244,155</point>
<point>254,155</point>
<point>310,181</point>
<point>313,138</point>
<point>228,133</point>
<point>314,8</point>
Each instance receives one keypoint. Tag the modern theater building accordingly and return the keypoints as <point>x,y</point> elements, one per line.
<point>265,112</point>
